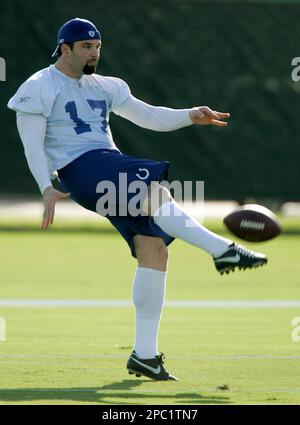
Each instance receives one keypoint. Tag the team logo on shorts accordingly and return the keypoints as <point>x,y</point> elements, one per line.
<point>91,33</point>
<point>145,176</point>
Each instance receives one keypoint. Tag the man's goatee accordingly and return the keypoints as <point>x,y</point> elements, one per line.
<point>89,69</point>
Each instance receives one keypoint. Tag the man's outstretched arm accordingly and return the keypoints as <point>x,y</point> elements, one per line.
<point>32,129</point>
<point>159,118</point>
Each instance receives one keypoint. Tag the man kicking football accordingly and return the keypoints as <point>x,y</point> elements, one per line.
<point>63,121</point>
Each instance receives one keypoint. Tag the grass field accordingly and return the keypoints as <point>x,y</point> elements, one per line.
<point>77,355</point>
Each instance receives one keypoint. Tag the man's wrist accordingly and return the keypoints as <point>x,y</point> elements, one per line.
<point>190,114</point>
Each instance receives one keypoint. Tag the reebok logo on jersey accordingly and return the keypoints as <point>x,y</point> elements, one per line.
<point>155,370</point>
<point>23,99</point>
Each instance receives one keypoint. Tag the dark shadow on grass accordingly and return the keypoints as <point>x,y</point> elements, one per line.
<point>123,390</point>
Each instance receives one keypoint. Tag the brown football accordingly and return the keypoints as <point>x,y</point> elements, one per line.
<point>253,223</point>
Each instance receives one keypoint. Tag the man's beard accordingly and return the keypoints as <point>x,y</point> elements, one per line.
<point>89,69</point>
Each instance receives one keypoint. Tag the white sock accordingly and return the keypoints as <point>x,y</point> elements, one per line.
<point>173,220</point>
<point>148,296</point>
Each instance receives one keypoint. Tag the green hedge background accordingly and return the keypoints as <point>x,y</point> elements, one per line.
<point>234,56</point>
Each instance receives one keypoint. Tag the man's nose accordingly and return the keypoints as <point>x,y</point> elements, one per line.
<point>95,53</point>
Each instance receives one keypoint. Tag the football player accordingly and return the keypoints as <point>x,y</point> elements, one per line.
<point>63,121</point>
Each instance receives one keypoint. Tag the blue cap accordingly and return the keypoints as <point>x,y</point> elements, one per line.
<point>76,30</point>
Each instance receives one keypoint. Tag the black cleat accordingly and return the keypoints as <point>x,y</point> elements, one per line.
<point>238,256</point>
<point>152,368</point>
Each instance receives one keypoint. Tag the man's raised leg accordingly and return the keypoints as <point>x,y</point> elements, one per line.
<point>176,222</point>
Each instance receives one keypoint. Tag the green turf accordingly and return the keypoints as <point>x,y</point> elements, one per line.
<point>78,355</point>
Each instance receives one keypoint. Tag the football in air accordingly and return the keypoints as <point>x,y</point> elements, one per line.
<point>253,223</point>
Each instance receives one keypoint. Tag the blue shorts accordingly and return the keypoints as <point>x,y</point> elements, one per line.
<point>82,175</point>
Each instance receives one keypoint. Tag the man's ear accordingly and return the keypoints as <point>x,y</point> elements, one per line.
<point>65,48</point>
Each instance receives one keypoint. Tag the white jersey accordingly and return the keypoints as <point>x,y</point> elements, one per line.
<point>77,111</point>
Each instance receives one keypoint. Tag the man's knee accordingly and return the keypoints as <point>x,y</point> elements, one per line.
<point>157,195</point>
<point>151,252</point>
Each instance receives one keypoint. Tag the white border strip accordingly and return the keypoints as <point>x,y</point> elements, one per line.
<point>176,303</point>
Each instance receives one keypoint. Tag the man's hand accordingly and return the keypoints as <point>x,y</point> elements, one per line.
<point>205,116</point>
<point>50,197</point>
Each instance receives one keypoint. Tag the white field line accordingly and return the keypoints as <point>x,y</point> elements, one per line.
<point>85,357</point>
<point>8,302</point>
